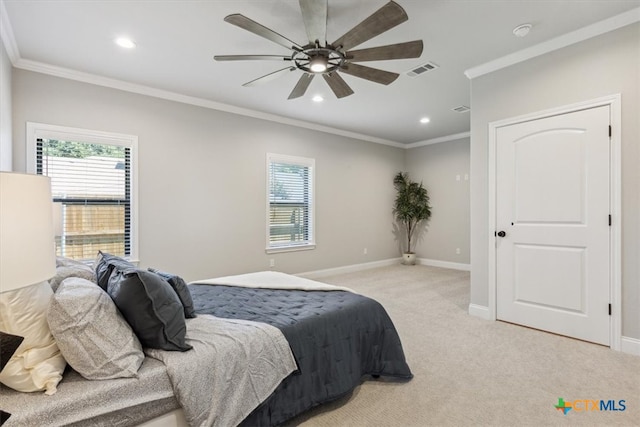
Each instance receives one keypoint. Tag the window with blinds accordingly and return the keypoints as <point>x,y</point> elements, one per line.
<point>290,203</point>
<point>91,186</point>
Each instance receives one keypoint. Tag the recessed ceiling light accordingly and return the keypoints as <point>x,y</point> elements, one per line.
<point>318,98</point>
<point>125,42</point>
<point>522,30</point>
<point>425,120</point>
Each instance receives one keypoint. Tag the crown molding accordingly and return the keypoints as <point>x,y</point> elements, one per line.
<point>438,140</point>
<point>66,73</point>
<point>6,34</point>
<point>630,17</point>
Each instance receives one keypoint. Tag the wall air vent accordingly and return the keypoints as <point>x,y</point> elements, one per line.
<point>461,109</point>
<point>429,66</point>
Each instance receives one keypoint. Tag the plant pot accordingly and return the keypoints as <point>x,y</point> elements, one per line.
<point>409,259</point>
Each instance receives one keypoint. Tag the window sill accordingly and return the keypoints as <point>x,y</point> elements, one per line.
<point>290,249</point>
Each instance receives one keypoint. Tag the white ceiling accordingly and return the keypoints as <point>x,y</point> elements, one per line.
<point>176,42</point>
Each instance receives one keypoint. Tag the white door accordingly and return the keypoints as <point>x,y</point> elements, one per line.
<point>552,205</point>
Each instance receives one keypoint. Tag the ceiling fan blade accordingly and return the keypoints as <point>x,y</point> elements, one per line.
<point>269,77</point>
<point>314,14</point>
<point>251,58</point>
<point>260,30</point>
<point>337,85</point>
<point>301,86</point>
<point>393,51</point>
<point>385,18</point>
<point>368,73</point>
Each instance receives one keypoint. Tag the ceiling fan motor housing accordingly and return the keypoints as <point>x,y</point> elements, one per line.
<point>312,55</point>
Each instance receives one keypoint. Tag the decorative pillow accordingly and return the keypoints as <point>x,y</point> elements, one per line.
<point>151,307</point>
<point>180,287</point>
<point>4,416</point>
<point>69,262</point>
<point>105,264</point>
<point>37,364</point>
<point>90,332</point>
<point>62,272</point>
<point>8,345</point>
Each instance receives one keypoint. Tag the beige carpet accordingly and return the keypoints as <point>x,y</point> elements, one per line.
<point>471,372</point>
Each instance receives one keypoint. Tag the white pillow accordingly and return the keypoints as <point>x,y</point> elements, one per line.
<point>93,337</point>
<point>37,364</point>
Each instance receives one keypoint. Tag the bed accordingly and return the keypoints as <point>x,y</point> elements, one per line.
<point>318,341</point>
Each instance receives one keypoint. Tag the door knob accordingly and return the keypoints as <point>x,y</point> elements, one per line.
<point>501,234</point>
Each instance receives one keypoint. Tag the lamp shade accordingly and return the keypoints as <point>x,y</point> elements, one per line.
<point>27,252</point>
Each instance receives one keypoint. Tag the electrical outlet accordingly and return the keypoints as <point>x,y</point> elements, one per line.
<point>457,177</point>
<point>272,262</point>
<point>457,251</point>
<point>364,251</point>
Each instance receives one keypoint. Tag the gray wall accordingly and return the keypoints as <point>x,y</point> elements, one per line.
<point>597,67</point>
<point>5,110</point>
<point>202,180</point>
<point>438,167</point>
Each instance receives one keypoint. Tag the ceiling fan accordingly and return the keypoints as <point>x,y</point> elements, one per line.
<point>327,59</point>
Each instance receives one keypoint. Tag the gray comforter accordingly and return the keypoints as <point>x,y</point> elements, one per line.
<point>337,337</point>
<point>234,366</point>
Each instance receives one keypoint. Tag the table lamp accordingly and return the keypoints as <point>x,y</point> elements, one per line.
<point>27,251</point>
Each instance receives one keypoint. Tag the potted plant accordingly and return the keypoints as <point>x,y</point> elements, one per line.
<point>411,209</point>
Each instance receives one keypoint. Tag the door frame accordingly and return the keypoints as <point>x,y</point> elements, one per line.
<point>615,202</point>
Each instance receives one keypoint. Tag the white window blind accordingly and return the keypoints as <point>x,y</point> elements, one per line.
<point>92,183</point>
<point>290,182</point>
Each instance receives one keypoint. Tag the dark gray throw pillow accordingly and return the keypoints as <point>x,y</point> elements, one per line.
<point>105,264</point>
<point>180,286</point>
<point>4,416</point>
<point>151,307</point>
<point>8,345</point>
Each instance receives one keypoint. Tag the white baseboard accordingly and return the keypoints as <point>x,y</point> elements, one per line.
<point>479,311</point>
<point>444,264</point>
<point>630,345</point>
<point>384,263</point>
<point>348,268</point>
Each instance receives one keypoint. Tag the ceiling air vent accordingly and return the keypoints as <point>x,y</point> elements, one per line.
<point>461,109</point>
<point>429,66</point>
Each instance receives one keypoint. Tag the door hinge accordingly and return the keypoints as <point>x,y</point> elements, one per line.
<point>609,220</point>
<point>610,131</point>
<point>609,309</point>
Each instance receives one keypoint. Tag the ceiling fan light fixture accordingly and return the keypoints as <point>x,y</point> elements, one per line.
<point>318,64</point>
<point>317,98</point>
<point>425,120</point>
<point>328,59</point>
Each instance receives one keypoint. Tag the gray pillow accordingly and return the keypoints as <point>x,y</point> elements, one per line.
<point>182,290</point>
<point>69,262</point>
<point>151,307</point>
<point>63,271</point>
<point>105,264</point>
<point>92,335</point>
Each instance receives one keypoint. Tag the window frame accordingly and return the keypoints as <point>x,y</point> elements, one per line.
<point>310,163</point>
<point>37,131</point>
